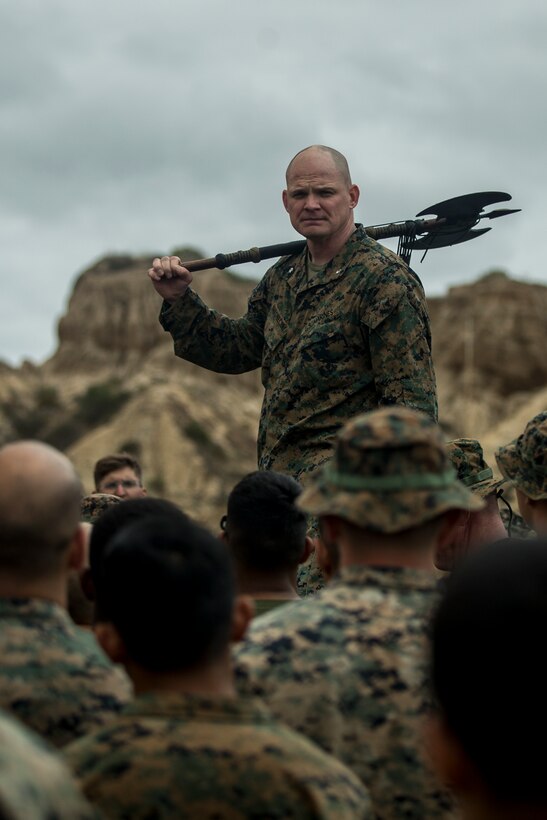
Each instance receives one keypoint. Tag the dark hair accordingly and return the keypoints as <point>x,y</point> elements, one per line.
<point>488,666</point>
<point>118,516</point>
<point>266,530</point>
<point>115,461</point>
<point>167,586</point>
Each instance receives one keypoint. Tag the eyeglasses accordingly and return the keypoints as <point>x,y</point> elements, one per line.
<point>126,483</point>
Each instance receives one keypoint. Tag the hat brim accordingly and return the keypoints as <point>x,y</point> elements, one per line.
<point>487,487</point>
<point>383,511</point>
<point>512,467</point>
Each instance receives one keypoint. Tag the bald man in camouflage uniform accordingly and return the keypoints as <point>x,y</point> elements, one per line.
<point>524,463</point>
<point>53,675</point>
<point>34,783</point>
<point>339,329</point>
<point>346,667</point>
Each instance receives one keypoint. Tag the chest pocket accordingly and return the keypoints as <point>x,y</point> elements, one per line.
<point>325,358</point>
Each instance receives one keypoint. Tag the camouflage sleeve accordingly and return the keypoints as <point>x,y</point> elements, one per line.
<point>34,783</point>
<point>399,337</point>
<point>208,338</point>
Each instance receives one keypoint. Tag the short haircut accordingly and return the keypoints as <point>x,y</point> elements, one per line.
<point>338,159</point>
<point>118,516</point>
<point>115,461</point>
<point>168,588</point>
<point>488,666</point>
<point>266,531</point>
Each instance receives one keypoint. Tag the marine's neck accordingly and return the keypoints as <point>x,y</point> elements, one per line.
<point>266,585</point>
<point>49,589</point>
<point>213,680</point>
<point>323,249</point>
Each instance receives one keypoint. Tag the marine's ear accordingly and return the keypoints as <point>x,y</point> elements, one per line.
<point>242,615</point>
<point>447,757</point>
<point>77,549</point>
<point>309,546</point>
<point>285,198</point>
<point>111,641</point>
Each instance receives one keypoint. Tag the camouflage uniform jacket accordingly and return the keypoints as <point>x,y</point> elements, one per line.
<point>347,668</point>
<point>34,783</point>
<point>187,756</point>
<point>54,676</point>
<point>353,337</point>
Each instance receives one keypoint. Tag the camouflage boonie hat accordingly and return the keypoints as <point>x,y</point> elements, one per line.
<point>468,460</point>
<point>93,506</point>
<point>524,460</point>
<point>390,471</point>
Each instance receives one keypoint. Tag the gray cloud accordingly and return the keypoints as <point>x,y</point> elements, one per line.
<point>139,127</point>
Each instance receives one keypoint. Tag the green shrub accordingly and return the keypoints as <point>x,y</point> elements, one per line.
<point>100,402</point>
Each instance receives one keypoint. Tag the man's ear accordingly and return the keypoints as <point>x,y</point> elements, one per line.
<point>285,198</point>
<point>77,549</point>
<point>324,559</point>
<point>451,539</point>
<point>242,615</point>
<point>354,196</point>
<point>111,642</point>
<point>447,758</point>
<point>309,546</point>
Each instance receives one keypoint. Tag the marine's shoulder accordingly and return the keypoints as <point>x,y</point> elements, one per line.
<point>33,781</point>
<point>382,265</point>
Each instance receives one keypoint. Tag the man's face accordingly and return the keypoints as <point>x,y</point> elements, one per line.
<point>123,483</point>
<point>318,198</point>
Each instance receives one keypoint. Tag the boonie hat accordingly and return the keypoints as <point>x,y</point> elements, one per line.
<point>93,506</point>
<point>524,460</point>
<point>389,472</point>
<point>468,460</point>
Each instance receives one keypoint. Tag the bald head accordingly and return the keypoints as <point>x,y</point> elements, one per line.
<point>40,495</point>
<point>338,160</point>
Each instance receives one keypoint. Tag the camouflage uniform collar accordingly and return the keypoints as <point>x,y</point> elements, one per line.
<point>333,270</point>
<point>177,705</point>
<point>34,609</point>
<point>358,575</point>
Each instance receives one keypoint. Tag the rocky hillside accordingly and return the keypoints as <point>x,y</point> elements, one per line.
<point>115,384</point>
<point>489,343</point>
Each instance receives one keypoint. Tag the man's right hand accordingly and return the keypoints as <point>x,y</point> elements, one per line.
<point>169,278</point>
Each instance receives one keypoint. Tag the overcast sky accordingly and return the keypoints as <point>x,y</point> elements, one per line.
<point>144,125</point>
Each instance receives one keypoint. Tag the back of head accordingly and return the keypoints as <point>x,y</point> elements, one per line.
<point>118,516</point>
<point>115,461</point>
<point>390,472</point>
<point>266,531</point>
<point>524,460</point>
<point>488,667</point>
<point>40,495</point>
<point>167,586</point>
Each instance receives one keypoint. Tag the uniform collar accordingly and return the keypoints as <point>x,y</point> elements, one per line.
<point>198,708</point>
<point>333,270</point>
<point>30,609</point>
<point>359,575</point>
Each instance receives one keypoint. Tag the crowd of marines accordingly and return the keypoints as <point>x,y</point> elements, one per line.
<point>360,638</point>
